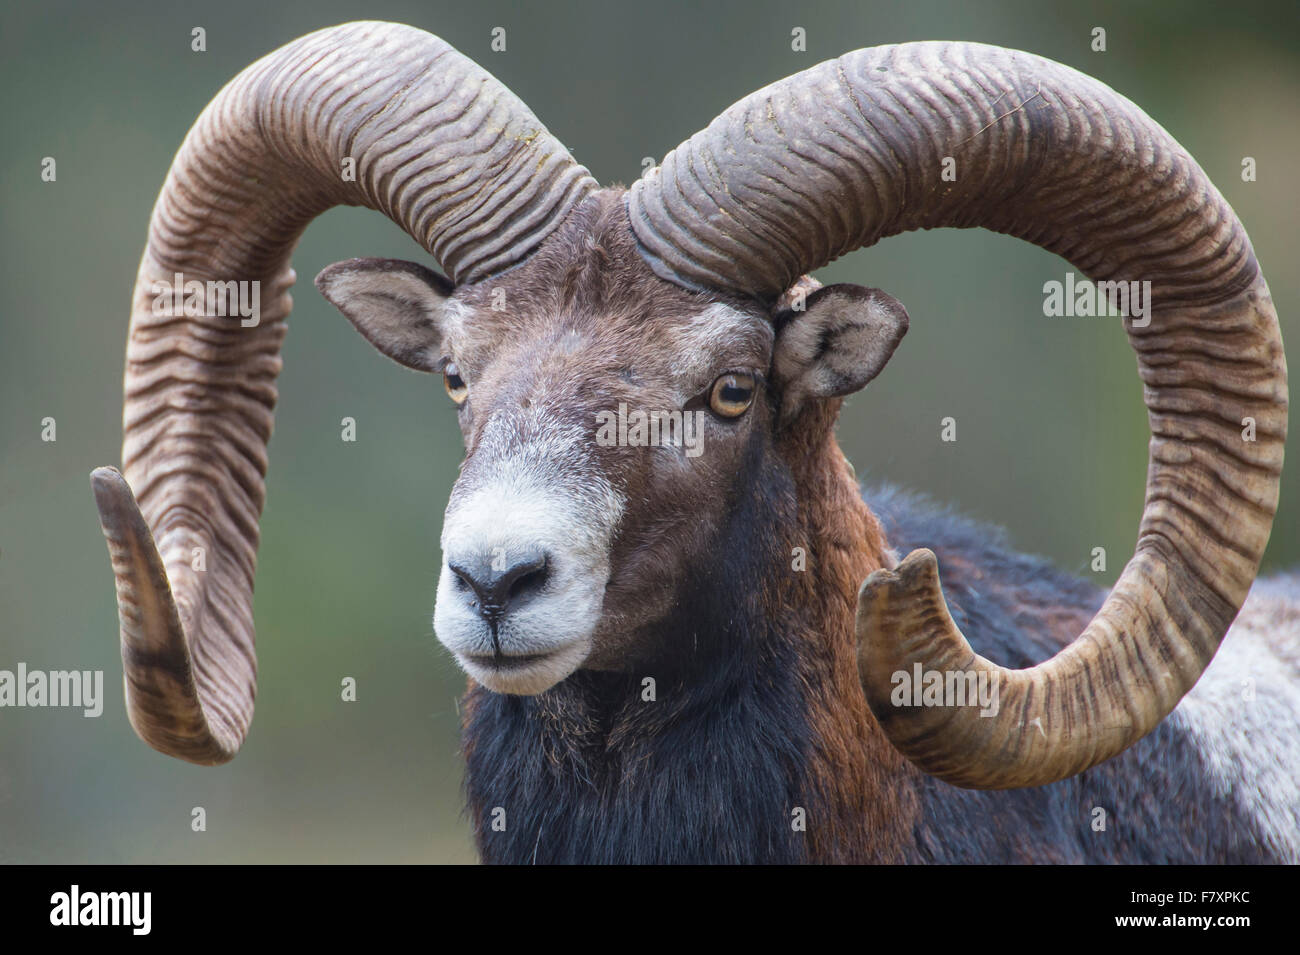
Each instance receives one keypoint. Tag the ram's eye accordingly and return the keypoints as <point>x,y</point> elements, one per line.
<point>455,384</point>
<point>732,394</point>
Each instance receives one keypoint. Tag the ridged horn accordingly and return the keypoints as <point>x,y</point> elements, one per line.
<point>852,150</point>
<point>437,145</point>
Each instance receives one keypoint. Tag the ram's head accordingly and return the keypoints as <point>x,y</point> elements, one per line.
<point>612,421</point>
<point>683,294</point>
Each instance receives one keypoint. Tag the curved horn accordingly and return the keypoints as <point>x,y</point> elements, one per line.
<point>852,150</point>
<point>438,146</point>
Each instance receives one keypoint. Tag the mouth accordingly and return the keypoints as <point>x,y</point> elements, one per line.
<point>524,674</point>
<point>505,662</point>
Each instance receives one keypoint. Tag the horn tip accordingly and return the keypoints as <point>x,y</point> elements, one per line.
<point>105,477</point>
<point>115,500</point>
<point>915,573</point>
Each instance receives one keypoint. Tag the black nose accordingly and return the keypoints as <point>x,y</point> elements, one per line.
<point>500,580</point>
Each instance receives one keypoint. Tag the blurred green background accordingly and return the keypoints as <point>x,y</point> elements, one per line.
<point>1051,432</point>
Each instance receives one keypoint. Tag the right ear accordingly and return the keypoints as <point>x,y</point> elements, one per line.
<point>400,307</point>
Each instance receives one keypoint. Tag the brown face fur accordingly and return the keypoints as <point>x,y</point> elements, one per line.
<point>613,334</point>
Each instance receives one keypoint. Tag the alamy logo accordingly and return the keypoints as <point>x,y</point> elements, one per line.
<point>649,429</point>
<point>102,908</point>
<point>197,299</point>
<point>1085,299</point>
<point>924,687</point>
<point>74,688</point>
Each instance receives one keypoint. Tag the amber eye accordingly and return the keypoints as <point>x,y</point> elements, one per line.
<point>455,384</point>
<point>732,394</point>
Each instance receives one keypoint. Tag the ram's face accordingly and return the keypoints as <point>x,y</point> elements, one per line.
<point>603,436</point>
<point>601,448</point>
<point>610,420</point>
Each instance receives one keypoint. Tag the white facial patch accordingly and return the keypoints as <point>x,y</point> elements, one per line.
<point>529,487</point>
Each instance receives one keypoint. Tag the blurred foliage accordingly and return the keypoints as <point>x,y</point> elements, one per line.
<point>1051,432</point>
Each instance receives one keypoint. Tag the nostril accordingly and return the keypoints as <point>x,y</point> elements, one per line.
<point>524,575</point>
<point>464,580</point>
<point>530,577</point>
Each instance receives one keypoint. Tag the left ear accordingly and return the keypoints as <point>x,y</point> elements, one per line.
<point>400,307</point>
<point>841,340</point>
